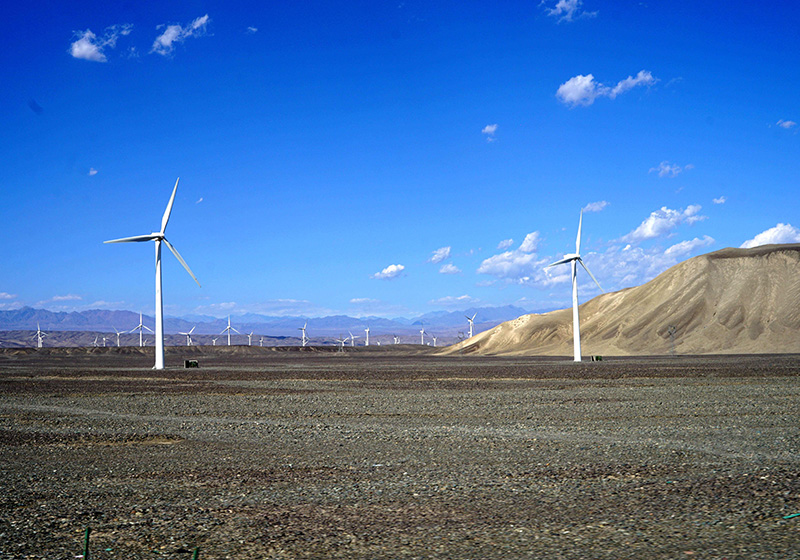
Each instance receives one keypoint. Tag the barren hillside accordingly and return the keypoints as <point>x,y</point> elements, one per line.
<point>729,301</point>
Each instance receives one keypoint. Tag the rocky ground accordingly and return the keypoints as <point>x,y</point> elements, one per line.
<point>392,455</point>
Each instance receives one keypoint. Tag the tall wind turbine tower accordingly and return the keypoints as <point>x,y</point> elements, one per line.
<point>422,336</point>
<point>228,330</point>
<point>353,339</point>
<point>305,338</point>
<point>158,237</point>
<point>433,336</point>
<point>366,342</point>
<point>471,323</point>
<point>250,338</point>
<point>118,333</point>
<point>574,259</point>
<point>214,341</point>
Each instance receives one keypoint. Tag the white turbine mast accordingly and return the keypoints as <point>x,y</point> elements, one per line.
<point>158,237</point>
<point>396,339</point>
<point>261,342</point>
<point>140,327</point>
<point>303,329</point>
<point>433,336</point>
<point>422,336</point>
<point>118,333</point>
<point>250,338</point>
<point>104,342</point>
<point>188,335</point>
<point>39,336</point>
<point>95,342</point>
<point>353,338</point>
<point>471,323</point>
<point>214,341</point>
<point>228,330</point>
<point>574,259</point>
<point>366,341</point>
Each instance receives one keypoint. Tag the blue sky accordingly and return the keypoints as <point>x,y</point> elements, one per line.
<point>387,158</point>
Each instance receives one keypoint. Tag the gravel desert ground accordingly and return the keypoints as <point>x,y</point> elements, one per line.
<point>397,454</point>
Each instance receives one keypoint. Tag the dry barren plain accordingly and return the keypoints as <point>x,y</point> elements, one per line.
<point>397,454</point>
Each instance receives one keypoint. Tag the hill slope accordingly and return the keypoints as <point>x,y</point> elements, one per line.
<point>729,301</point>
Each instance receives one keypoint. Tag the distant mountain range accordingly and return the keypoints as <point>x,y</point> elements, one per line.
<point>441,323</point>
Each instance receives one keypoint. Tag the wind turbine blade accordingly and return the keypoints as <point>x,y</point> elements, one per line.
<point>148,237</point>
<point>168,211</point>
<point>234,330</point>
<point>578,239</point>
<point>565,260</point>
<point>183,262</point>
<point>148,328</point>
<point>592,275</point>
<point>192,330</point>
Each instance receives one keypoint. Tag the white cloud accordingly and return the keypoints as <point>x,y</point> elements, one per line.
<point>567,10</point>
<point>686,247</point>
<point>786,124</point>
<point>391,271</point>
<point>720,200</point>
<point>439,255</point>
<point>6,295</point>
<point>199,200</point>
<point>92,171</point>
<point>172,34</point>
<point>449,269</point>
<point>67,297</point>
<point>662,222</point>
<point>596,206</point>
<point>88,46</point>
<point>530,243</point>
<point>583,90</point>
<point>454,301</point>
<point>505,244</point>
<point>664,169</point>
<point>364,301</point>
<point>252,30</point>
<point>489,131</point>
<point>781,233</point>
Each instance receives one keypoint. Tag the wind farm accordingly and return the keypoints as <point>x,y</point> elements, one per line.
<point>410,171</point>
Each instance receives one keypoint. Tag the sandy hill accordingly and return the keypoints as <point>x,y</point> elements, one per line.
<point>728,301</point>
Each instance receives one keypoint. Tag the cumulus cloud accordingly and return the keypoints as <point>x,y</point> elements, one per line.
<point>453,301</point>
<point>662,222</point>
<point>6,295</point>
<point>518,265</point>
<point>567,10</point>
<point>781,233</point>
<point>449,269</point>
<point>505,244</point>
<point>720,200</point>
<point>595,206</point>
<point>786,124</point>
<point>88,46</point>
<point>173,34</point>
<point>530,243</point>
<point>391,271</point>
<point>583,90</point>
<point>489,131</point>
<point>92,171</point>
<point>439,255</point>
<point>665,169</point>
<point>686,247</point>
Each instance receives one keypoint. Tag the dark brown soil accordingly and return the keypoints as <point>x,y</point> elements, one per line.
<point>269,453</point>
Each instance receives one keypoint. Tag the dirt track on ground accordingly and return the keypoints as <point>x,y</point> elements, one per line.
<point>371,455</point>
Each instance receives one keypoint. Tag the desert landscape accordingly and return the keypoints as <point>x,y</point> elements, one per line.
<point>397,453</point>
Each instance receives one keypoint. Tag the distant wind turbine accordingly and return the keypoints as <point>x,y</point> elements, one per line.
<point>433,336</point>
<point>261,342</point>
<point>39,336</point>
<point>341,342</point>
<point>158,237</point>
<point>422,336</point>
<point>396,339</point>
<point>353,339</point>
<point>188,336</point>
<point>366,342</point>
<point>140,327</point>
<point>250,338</point>
<point>214,341</point>
<point>471,323</point>
<point>95,342</point>
<point>228,330</point>
<point>303,328</point>
<point>574,259</point>
<point>118,333</point>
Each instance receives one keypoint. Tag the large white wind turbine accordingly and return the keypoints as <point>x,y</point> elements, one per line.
<point>303,328</point>
<point>250,338</point>
<point>574,259</point>
<point>188,336</point>
<point>140,327</point>
<point>118,333</point>
<point>422,336</point>
<point>228,330</point>
<point>471,322</point>
<point>158,237</point>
